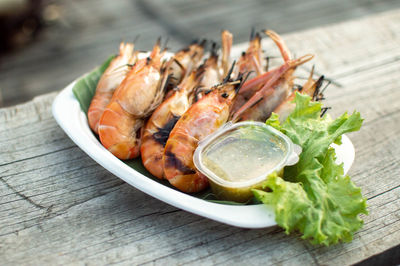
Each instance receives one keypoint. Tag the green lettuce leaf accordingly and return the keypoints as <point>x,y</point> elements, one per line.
<point>273,121</point>
<point>314,197</point>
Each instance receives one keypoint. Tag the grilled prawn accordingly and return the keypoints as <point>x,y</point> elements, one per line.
<point>162,121</point>
<point>138,95</point>
<point>277,87</point>
<point>199,121</point>
<point>109,81</point>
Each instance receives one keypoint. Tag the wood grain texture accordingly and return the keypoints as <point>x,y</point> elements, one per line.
<point>57,206</point>
<point>87,31</point>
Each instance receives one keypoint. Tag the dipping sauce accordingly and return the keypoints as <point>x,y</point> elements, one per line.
<point>244,154</point>
<point>240,157</point>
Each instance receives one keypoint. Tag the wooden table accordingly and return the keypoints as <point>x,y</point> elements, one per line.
<point>77,35</point>
<point>58,206</point>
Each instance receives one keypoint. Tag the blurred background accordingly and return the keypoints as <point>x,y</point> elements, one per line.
<point>46,44</point>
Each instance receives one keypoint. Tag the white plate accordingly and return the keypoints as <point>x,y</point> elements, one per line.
<point>70,117</point>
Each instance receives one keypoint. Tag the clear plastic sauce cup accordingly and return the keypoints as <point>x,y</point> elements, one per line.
<point>239,157</point>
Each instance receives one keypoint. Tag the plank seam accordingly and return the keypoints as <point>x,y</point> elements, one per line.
<point>38,156</point>
<point>381,193</point>
<point>23,196</point>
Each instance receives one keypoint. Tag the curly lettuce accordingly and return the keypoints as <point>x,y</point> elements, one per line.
<point>314,197</point>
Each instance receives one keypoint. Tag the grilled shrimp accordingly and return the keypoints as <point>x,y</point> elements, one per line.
<point>109,81</point>
<point>167,114</point>
<point>252,85</point>
<point>199,121</point>
<point>276,90</point>
<point>162,121</point>
<point>138,95</point>
<point>278,86</point>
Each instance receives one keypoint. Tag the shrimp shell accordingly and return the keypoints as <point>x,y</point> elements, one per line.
<point>274,91</point>
<point>138,95</point>
<point>162,121</point>
<point>277,87</point>
<point>200,120</point>
<point>109,81</point>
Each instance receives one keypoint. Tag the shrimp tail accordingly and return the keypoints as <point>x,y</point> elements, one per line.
<point>200,120</point>
<point>256,65</point>
<point>227,40</point>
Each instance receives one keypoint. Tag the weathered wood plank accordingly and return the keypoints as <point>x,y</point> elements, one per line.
<point>89,30</point>
<point>58,206</point>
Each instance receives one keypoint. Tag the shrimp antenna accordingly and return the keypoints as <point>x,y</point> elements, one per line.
<point>258,36</point>
<point>194,54</point>
<point>317,93</point>
<point>242,79</point>
<point>165,44</point>
<point>136,38</point>
<point>158,42</point>
<point>252,33</point>
<point>326,86</point>
<point>214,49</point>
<point>228,76</point>
<point>203,43</point>
<point>271,57</point>
<point>200,70</point>
<point>179,64</point>
<point>167,81</point>
<point>121,68</point>
<point>323,110</point>
<point>196,94</point>
<point>267,63</point>
<point>297,87</point>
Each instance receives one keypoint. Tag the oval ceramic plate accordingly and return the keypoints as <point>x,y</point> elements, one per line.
<point>73,121</point>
